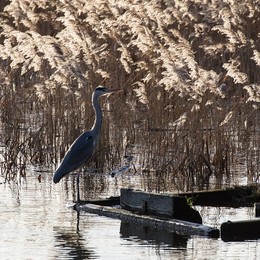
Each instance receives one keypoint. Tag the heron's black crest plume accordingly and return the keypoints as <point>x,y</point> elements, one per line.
<point>101,88</point>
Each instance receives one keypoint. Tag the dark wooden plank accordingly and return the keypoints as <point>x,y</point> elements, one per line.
<point>161,204</point>
<point>170,225</point>
<point>234,197</point>
<point>166,205</point>
<point>134,201</point>
<point>240,230</point>
<point>147,203</point>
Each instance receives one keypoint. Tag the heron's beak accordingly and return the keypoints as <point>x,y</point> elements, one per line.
<point>115,90</point>
<point>110,91</point>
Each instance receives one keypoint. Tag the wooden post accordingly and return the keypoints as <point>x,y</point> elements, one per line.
<point>257,209</point>
<point>240,230</point>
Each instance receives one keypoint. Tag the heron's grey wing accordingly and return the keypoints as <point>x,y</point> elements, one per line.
<point>79,153</point>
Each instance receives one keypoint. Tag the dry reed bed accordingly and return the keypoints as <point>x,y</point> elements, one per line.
<point>190,71</point>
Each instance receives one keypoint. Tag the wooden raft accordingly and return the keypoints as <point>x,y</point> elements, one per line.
<point>171,225</point>
<point>158,211</point>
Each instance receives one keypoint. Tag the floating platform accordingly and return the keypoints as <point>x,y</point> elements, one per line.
<point>160,211</point>
<point>170,225</point>
<point>170,212</point>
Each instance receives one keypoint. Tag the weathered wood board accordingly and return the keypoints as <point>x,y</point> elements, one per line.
<point>148,203</point>
<point>166,205</point>
<point>170,225</point>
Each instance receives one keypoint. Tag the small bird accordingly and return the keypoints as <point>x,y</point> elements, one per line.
<point>84,146</point>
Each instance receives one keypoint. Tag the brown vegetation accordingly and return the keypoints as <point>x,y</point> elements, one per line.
<point>190,71</point>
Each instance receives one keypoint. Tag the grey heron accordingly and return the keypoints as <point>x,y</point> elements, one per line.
<point>83,147</point>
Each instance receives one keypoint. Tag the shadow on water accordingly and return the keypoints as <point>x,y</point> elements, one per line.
<point>71,243</point>
<point>132,232</point>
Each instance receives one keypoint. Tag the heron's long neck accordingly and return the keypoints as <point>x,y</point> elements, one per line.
<point>96,128</point>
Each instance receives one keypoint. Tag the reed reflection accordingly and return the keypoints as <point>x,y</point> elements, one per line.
<point>70,242</point>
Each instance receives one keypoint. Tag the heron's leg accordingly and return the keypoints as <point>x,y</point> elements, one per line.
<point>78,197</point>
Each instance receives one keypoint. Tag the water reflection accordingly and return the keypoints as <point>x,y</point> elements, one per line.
<point>71,244</point>
<point>36,221</point>
<point>132,232</point>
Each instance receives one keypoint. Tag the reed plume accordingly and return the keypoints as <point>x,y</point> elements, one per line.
<point>190,70</point>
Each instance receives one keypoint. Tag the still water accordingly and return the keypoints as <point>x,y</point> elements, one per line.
<point>37,222</point>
